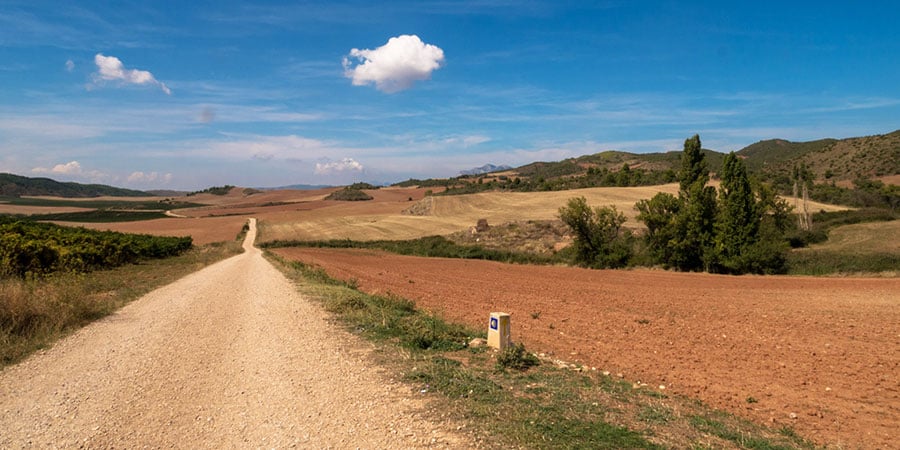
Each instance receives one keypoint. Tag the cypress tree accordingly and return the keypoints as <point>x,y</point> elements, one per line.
<point>696,217</point>
<point>737,225</point>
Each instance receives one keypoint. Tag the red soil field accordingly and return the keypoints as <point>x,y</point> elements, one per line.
<point>820,355</point>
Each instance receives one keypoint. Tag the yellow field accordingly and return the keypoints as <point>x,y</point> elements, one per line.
<point>876,237</point>
<point>384,220</point>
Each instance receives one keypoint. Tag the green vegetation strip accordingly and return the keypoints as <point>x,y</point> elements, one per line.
<point>35,312</point>
<point>430,246</point>
<point>37,249</point>
<point>506,400</point>
<point>147,205</point>
<point>100,216</point>
<point>822,262</point>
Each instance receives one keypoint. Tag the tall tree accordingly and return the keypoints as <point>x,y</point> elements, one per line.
<point>694,222</point>
<point>739,217</point>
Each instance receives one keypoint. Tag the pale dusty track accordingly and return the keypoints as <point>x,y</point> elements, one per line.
<point>229,357</point>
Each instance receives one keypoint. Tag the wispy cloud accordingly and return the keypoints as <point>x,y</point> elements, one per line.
<point>110,68</point>
<point>344,165</point>
<point>150,178</point>
<point>856,105</point>
<point>394,66</point>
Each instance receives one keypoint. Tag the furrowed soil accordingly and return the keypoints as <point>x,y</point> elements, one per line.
<point>819,355</point>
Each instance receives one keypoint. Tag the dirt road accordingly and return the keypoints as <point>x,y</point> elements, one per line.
<point>228,357</point>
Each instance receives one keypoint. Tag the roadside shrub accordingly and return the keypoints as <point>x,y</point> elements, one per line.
<point>30,248</point>
<point>516,357</point>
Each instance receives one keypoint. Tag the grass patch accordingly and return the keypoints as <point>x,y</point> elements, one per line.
<point>824,262</point>
<point>722,426</point>
<point>533,406</point>
<point>36,312</point>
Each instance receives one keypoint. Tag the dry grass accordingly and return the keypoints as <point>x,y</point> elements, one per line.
<point>36,312</point>
<point>861,238</point>
<point>384,220</point>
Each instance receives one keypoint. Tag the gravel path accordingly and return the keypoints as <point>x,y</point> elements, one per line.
<point>229,357</point>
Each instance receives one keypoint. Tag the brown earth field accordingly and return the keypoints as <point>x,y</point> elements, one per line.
<point>819,355</point>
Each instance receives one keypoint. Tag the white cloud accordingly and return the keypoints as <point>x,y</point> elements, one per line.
<point>74,170</point>
<point>394,66</point>
<point>346,164</point>
<point>69,168</point>
<point>110,68</point>
<point>149,177</point>
<point>70,65</point>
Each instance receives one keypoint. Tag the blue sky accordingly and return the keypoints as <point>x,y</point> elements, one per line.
<point>185,95</point>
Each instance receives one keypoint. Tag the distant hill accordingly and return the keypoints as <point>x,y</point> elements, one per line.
<point>487,168</point>
<point>17,186</point>
<point>829,159</point>
<point>613,161</point>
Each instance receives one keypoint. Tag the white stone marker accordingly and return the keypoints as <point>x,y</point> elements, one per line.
<point>498,331</point>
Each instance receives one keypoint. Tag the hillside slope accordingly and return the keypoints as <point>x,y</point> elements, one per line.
<point>831,159</point>
<point>875,156</point>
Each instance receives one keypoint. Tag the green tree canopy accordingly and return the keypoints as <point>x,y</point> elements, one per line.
<point>600,240</point>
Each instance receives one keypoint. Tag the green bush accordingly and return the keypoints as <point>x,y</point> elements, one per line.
<point>349,195</point>
<point>600,239</point>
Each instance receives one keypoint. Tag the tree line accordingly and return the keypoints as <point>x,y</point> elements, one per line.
<point>739,228</point>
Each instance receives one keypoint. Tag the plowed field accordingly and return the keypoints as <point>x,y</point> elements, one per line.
<point>820,355</point>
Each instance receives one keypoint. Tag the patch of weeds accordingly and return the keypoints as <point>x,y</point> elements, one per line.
<point>35,312</point>
<point>516,357</point>
<point>536,315</point>
<point>655,414</point>
<point>600,435</point>
<point>448,377</point>
<point>743,436</point>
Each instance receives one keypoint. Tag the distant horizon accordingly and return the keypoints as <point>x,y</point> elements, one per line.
<point>198,94</point>
<point>307,186</point>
